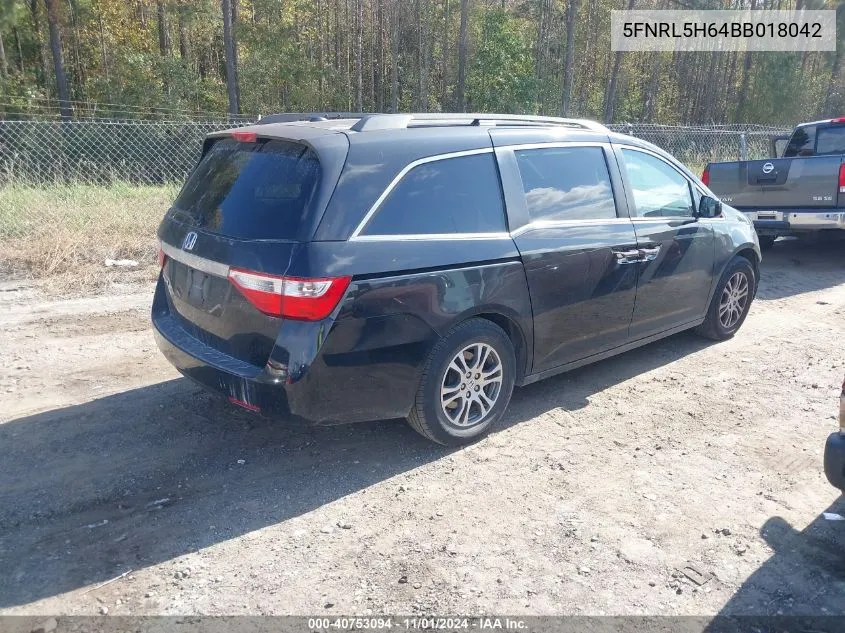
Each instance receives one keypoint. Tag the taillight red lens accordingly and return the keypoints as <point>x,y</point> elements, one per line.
<point>838,120</point>
<point>245,137</point>
<point>842,178</point>
<point>290,297</point>
<point>705,176</point>
<point>161,257</point>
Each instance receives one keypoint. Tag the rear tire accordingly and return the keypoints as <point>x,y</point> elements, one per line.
<point>766,242</point>
<point>466,384</point>
<point>731,301</point>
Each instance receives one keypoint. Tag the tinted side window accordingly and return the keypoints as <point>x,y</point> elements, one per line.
<point>659,189</point>
<point>802,142</point>
<point>566,183</point>
<point>454,195</point>
<point>831,140</point>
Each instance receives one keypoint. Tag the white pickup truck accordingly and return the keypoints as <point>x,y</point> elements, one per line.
<point>801,192</point>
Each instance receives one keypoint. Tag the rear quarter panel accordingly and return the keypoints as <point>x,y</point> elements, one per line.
<point>388,322</point>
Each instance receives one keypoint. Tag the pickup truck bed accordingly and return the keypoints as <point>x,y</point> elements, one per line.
<point>802,192</point>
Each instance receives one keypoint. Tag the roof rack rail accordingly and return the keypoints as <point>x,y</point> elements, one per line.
<point>293,117</point>
<point>369,122</point>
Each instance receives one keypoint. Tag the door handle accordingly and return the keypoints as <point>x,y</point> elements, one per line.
<point>627,257</point>
<point>649,254</point>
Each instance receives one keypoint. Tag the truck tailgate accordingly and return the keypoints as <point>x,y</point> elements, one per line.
<point>801,183</point>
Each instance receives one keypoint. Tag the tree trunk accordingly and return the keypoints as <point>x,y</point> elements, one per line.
<point>394,60</point>
<point>378,78</point>
<point>320,97</point>
<point>571,21</point>
<point>103,48</point>
<point>460,91</point>
<point>184,37</point>
<point>4,65</point>
<point>610,95</point>
<point>834,86</point>
<point>164,45</point>
<point>650,97</point>
<point>77,56</point>
<point>231,63</point>
<point>422,58</point>
<point>20,50</point>
<point>42,50</point>
<point>444,61</point>
<point>746,78</point>
<point>58,64</point>
<point>359,51</point>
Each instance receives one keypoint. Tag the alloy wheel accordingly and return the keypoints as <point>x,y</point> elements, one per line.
<point>471,385</point>
<point>733,300</point>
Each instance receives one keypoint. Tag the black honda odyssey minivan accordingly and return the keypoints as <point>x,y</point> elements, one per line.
<point>420,266</point>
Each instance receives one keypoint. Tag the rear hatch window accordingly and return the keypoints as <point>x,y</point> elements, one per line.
<point>257,190</point>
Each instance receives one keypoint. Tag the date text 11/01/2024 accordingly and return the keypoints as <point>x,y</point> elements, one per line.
<point>723,29</point>
<point>416,623</point>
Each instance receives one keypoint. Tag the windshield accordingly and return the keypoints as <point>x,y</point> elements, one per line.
<point>251,190</point>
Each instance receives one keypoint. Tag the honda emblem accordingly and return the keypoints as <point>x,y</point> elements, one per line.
<point>189,241</point>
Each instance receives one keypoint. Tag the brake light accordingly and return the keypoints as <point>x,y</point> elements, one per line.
<point>842,178</point>
<point>838,120</point>
<point>705,176</point>
<point>160,257</point>
<point>245,137</point>
<point>290,297</point>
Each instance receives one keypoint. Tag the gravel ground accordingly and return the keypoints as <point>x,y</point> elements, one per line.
<point>681,478</point>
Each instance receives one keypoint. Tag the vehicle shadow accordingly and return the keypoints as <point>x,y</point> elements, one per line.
<point>795,266</point>
<point>571,391</point>
<point>804,577</point>
<point>90,491</point>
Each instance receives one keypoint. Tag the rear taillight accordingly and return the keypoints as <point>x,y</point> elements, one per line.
<point>290,297</point>
<point>842,178</point>
<point>705,176</point>
<point>838,120</point>
<point>161,257</point>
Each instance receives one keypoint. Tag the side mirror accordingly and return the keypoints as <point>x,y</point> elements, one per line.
<point>709,208</point>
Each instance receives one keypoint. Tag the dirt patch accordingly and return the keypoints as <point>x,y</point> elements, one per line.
<point>681,478</point>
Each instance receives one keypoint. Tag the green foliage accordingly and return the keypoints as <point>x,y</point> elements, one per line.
<point>301,55</point>
<point>501,77</point>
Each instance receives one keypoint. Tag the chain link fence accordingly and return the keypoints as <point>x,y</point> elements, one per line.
<point>156,152</point>
<point>78,196</point>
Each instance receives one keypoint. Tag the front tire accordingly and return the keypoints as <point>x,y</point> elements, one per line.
<point>731,301</point>
<point>466,384</point>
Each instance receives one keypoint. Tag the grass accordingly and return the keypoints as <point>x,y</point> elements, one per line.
<point>62,234</point>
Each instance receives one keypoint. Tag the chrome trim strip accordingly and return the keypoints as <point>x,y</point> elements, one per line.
<point>544,145</point>
<point>431,237</point>
<point>209,266</point>
<point>553,224</point>
<point>420,161</point>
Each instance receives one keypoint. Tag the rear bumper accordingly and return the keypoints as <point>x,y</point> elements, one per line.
<point>240,382</point>
<point>311,374</point>
<point>834,460</point>
<point>783,222</point>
